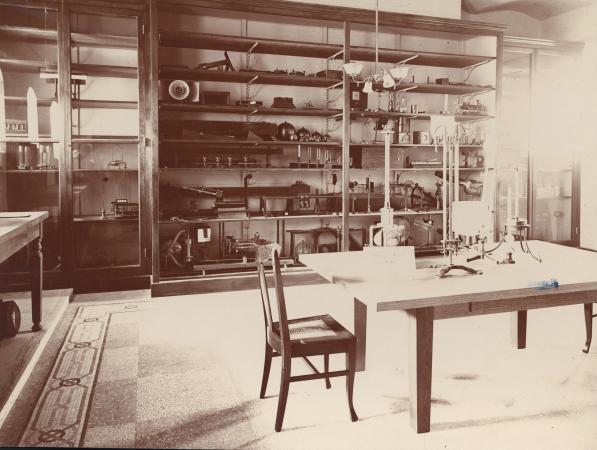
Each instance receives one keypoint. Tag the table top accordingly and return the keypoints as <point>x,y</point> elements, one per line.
<point>12,223</point>
<point>374,280</point>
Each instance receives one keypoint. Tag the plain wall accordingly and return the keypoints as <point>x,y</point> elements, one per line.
<point>437,8</point>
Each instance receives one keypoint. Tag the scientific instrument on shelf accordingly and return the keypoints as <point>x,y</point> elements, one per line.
<point>387,233</point>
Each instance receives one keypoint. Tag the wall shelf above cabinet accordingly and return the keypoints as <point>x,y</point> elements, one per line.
<point>255,77</point>
<point>252,110</point>
<point>184,39</point>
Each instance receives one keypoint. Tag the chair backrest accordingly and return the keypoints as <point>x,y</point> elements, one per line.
<point>265,253</point>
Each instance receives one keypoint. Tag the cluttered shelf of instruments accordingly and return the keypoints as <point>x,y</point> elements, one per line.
<point>251,143</point>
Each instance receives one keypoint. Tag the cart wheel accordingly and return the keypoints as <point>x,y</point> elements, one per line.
<point>10,319</point>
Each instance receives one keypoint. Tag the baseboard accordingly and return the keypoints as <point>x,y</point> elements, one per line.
<point>230,282</point>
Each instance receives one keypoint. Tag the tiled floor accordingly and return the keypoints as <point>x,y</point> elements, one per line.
<point>185,372</point>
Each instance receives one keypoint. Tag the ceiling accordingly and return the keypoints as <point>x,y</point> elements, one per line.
<point>538,9</point>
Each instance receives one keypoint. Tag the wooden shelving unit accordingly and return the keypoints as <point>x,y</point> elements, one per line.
<point>186,166</point>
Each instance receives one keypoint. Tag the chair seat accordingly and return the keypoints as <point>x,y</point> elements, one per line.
<point>315,329</point>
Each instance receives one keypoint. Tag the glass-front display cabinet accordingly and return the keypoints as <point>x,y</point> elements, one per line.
<point>538,158</point>
<point>105,140</point>
<point>31,142</point>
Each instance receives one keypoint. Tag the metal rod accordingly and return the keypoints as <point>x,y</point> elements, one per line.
<point>444,194</point>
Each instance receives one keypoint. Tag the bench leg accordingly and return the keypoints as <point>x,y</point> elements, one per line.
<point>420,359</point>
<point>519,329</point>
<point>588,326</point>
<point>36,276</point>
<point>360,332</point>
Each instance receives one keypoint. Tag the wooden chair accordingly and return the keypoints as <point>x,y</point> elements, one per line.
<point>308,336</point>
<point>589,325</point>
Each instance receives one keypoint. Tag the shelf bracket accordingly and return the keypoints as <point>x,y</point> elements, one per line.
<point>334,86</point>
<point>474,66</point>
<point>249,53</point>
<point>410,88</point>
<point>338,53</point>
<point>407,59</point>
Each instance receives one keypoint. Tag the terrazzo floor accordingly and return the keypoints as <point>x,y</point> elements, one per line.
<point>184,372</point>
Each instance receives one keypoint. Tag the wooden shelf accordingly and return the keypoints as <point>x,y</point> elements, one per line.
<point>253,110</point>
<point>299,217</point>
<point>183,39</point>
<point>168,73</point>
<point>197,142</point>
<point>28,34</point>
<point>25,66</point>
<point>296,169</point>
<point>31,34</point>
<point>101,70</point>
<point>105,140</point>
<point>30,171</point>
<point>381,145</point>
<point>93,70</point>
<point>107,219</point>
<point>107,170</point>
<point>103,40</point>
<point>26,140</point>
<point>250,169</point>
<point>421,116</point>
<point>104,104</point>
<point>23,101</point>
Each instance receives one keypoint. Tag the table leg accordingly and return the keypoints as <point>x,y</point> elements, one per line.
<point>420,328</point>
<point>519,329</point>
<point>588,325</point>
<point>35,261</point>
<point>360,332</point>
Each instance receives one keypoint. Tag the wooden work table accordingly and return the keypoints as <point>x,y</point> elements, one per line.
<point>373,281</point>
<point>17,230</point>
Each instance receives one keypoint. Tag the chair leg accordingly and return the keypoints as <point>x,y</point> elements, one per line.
<point>588,326</point>
<point>351,367</point>
<point>267,363</point>
<point>326,369</point>
<point>284,384</point>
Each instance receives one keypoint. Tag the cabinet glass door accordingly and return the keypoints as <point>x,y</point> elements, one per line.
<point>513,157</point>
<point>30,142</point>
<point>105,158</point>
<point>553,149</point>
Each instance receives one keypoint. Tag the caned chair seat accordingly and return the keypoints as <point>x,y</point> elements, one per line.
<point>315,330</point>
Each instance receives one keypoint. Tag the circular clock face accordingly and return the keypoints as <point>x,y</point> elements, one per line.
<point>179,89</point>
